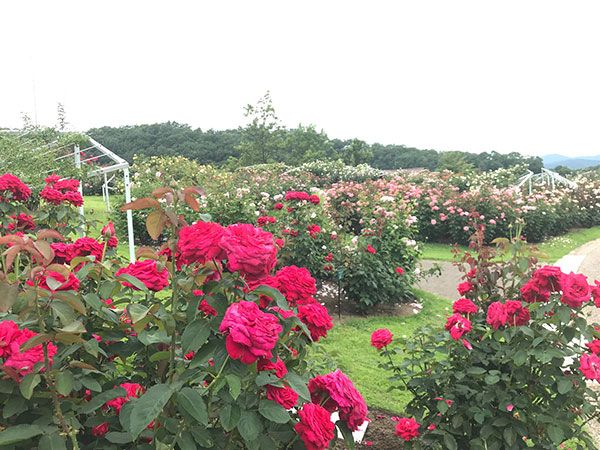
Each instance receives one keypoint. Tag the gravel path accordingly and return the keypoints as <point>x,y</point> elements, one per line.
<point>585,259</point>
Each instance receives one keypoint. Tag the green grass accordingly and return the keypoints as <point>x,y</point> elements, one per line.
<point>550,251</point>
<point>95,211</point>
<point>349,345</point>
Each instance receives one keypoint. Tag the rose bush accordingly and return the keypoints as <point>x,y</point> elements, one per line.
<point>190,346</point>
<point>510,370</point>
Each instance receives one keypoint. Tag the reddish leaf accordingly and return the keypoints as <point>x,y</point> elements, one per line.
<point>52,234</point>
<point>141,203</point>
<point>155,223</point>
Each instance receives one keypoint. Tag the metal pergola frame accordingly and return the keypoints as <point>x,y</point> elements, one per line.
<point>545,177</point>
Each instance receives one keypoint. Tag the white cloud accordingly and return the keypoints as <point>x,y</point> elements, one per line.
<point>466,75</point>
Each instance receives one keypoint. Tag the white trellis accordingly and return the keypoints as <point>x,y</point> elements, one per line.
<point>104,163</point>
<point>546,177</point>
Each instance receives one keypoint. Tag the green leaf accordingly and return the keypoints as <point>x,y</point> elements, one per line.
<point>476,370</point>
<point>35,341</point>
<point>264,378</point>
<point>100,399</point>
<point>195,335</point>
<point>119,437</point>
<point>91,384</point>
<point>74,327</point>
<point>19,433</point>
<point>28,384</point>
<point>148,407</point>
<point>564,385</point>
<point>274,294</point>
<point>64,382</point>
<point>520,358</point>
<point>556,434</point>
<point>450,442</point>
<point>53,441</point>
<point>491,379</point>
<point>235,385</point>
<point>15,405</point>
<point>159,356</point>
<point>346,434</point>
<point>133,281</point>
<point>202,437</point>
<point>186,441</point>
<point>107,288</point>
<point>137,312</point>
<point>230,417</point>
<point>510,436</point>
<point>273,411</point>
<point>298,384</point>
<point>249,425</point>
<point>192,403</point>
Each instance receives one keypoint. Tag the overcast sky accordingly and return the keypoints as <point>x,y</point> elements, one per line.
<point>451,75</point>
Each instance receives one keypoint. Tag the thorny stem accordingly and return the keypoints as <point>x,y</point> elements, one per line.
<point>218,374</point>
<point>173,310</point>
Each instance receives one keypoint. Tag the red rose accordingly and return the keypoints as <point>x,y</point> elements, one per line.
<point>278,206</point>
<point>147,272</point>
<point>295,284</point>
<point>381,338</point>
<point>314,199</point>
<point>399,270</point>
<point>250,250</point>
<point>407,429</point>
<point>86,246</point>
<point>575,290</point>
<point>316,318</point>
<point>339,393</point>
<point>517,314</point>
<point>23,362</point>
<point>458,326</point>
<point>285,396</point>
<point>52,196</point>
<point>593,346</point>
<point>596,293</point>
<point>200,242</point>
<point>100,430</point>
<point>371,249</point>
<point>132,390</point>
<point>549,278</point>
<point>315,427</point>
<point>108,230</point>
<point>465,287</point>
<point>497,315</point>
<point>73,198</point>
<point>70,283</point>
<point>533,291</point>
<point>464,306</point>
<point>62,252</point>
<point>205,307</point>
<point>278,367</point>
<point>22,222</point>
<point>12,188</point>
<point>297,195</point>
<point>589,365</point>
<point>251,333</point>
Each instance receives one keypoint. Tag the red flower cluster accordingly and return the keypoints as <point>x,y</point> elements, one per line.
<point>339,394</point>
<point>575,290</point>
<point>278,367</point>
<point>251,333</point>
<point>313,230</point>
<point>147,272</point>
<point>371,249</point>
<point>59,191</point>
<point>589,365</point>
<point>22,222</point>
<point>21,362</point>
<point>301,195</point>
<point>285,396</point>
<point>200,242</point>
<point>407,429</point>
<point>12,188</point>
<point>381,338</point>
<point>465,287</point>
<point>315,427</point>
<point>511,313</point>
<point>263,220</point>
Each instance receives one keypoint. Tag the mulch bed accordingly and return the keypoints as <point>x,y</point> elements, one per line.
<point>380,433</point>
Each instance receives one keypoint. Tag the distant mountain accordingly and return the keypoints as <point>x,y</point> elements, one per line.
<point>580,162</point>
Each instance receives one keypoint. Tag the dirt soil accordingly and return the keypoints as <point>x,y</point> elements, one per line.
<point>380,433</point>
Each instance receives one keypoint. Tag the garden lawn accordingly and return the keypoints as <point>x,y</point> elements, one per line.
<point>95,210</point>
<point>349,345</point>
<point>550,251</point>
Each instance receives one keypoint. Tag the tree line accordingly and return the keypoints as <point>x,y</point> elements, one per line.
<point>265,140</point>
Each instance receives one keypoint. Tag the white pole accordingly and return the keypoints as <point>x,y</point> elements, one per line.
<point>105,193</point>
<point>77,155</point>
<point>129,214</point>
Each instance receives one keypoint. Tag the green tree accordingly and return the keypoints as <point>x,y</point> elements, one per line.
<point>455,161</point>
<point>305,143</point>
<point>261,140</point>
